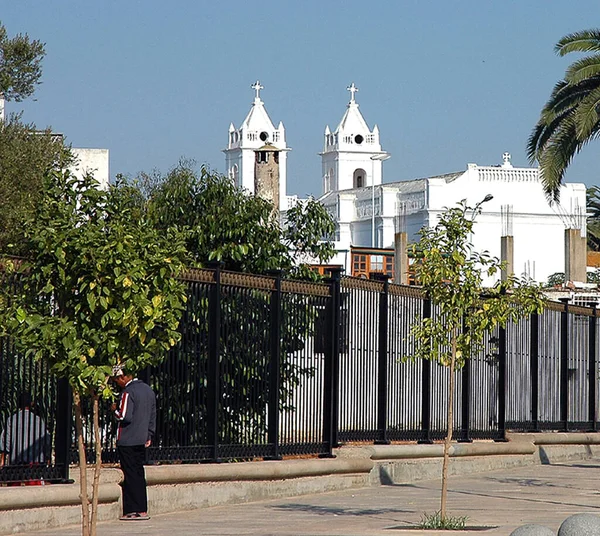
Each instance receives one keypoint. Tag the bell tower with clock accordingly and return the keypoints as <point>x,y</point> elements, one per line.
<point>256,132</point>
<point>351,156</point>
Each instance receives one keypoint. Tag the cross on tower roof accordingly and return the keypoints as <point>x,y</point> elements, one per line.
<point>257,87</point>
<point>352,89</point>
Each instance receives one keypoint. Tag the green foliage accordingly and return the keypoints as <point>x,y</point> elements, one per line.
<point>593,220</point>
<point>452,274</point>
<point>223,223</point>
<point>438,522</point>
<point>555,280</point>
<point>20,65</point>
<point>26,155</point>
<point>98,287</point>
<point>307,235</point>
<point>569,119</point>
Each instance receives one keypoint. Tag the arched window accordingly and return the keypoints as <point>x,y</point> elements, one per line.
<point>358,179</point>
<point>234,173</point>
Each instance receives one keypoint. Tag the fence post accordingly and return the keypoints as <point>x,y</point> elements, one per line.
<point>331,370</point>
<point>382,358</point>
<point>534,338</point>
<point>274,368</point>
<point>592,371</point>
<point>502,383</point>
<point>564,364</point>
<point>466,403</point>
<point>64,417</point>
<point>426,386</point>
<point>213,380</point>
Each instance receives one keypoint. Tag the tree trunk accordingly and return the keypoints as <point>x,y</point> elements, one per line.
<point>449,430</point>
<point>97,468</point>
<point>83,492</point>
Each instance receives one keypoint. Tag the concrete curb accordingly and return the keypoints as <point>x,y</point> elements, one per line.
<point>270,470</point>
<point>58,495</point>
<point>401,452</point>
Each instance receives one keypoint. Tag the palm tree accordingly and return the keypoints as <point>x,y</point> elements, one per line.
<point>569,120</point>
<point>593,219</point>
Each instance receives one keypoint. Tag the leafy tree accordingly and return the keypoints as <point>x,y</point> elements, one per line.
<point>569,119</point>
<point>98,288</point>
<point>451,274</point>
<point>556,279</point>
<point>593,220</point>
<point>26,155</point>
<point>20,67</point>
<point>223,223</point>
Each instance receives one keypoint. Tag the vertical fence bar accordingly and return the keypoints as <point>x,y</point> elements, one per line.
<point>564,365</point>
<point>274,366</point>
<point>382,362</point>
<point>466,403</point>
<point>534,370</point>
<point>426,387</point>
<point>331,370</point>
<point>502,382</point>
<point>213,379</point>
<point>62,442</point>
<point>592,371</point>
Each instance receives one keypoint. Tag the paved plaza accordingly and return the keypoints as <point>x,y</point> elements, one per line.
<point>543,494</point>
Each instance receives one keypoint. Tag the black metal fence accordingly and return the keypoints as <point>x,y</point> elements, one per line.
<point>269,368</point>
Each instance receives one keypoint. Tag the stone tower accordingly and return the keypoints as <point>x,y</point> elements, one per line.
<point>266,174</point>
<point>245,142</point>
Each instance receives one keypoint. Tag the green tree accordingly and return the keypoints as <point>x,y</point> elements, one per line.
<point>593,219</point>
<point>556,279</point>
<point>98,288</point>
<point>26,155</point>
<point>569,119</point>
<point>452,274</point>
<point>223,223</point>
<point>20,67</point>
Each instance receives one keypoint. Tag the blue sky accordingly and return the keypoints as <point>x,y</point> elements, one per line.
<point>447,82</point>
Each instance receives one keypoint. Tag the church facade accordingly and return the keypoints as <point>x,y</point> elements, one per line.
<point>369,213</point>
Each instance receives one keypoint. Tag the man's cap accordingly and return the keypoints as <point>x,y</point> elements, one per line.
<point>117,370</point>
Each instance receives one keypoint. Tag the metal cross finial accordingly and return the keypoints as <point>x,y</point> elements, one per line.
<point>257,87</point>
<point>352,89</point>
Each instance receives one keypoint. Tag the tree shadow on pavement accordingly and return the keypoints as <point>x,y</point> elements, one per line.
<point>339,511</point>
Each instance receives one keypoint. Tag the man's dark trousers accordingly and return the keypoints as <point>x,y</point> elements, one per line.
<point>134,482</point>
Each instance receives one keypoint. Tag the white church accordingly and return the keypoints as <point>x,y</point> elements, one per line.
<point>517,224</point>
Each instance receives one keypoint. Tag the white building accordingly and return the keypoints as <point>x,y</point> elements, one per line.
<point>93,161</point>
<point>369,212</point>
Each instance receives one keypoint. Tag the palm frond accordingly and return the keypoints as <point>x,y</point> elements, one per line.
<point>582,41</point>
<point>584,69</point>
<point>556,157</point>
<point>586,114</point>
<point>543,133</point>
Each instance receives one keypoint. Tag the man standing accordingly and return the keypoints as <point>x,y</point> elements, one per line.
<point>24,439</point>
<point>136,413</point>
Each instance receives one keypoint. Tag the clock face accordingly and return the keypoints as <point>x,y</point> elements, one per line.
<point>263,136</point>
<point>358,139</point>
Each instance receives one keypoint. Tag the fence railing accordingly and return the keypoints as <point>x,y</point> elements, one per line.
<point>269,368</point>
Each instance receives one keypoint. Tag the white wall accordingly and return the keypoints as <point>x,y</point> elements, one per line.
<point>94,161</point>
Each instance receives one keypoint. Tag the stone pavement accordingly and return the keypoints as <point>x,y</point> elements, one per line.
<point>507,499</point>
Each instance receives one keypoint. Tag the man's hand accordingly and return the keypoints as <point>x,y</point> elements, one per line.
<point>113,406</point>
<point>148,443</point>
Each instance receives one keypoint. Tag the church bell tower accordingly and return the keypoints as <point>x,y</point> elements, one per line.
<point>351,156</point>
<point>255,138</point>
